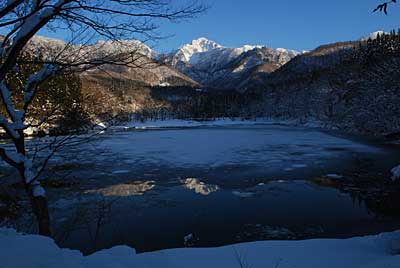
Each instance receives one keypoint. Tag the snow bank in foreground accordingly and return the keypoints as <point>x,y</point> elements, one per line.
<point>396,173</point>
<point>176,123</point>
<point>364,252</point>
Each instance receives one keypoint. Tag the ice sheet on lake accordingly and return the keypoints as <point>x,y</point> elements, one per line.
<point>275,146</point>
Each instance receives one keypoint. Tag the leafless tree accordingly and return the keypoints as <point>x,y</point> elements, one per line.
<point>84,22</point>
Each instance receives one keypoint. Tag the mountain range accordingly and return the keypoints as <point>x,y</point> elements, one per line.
<point>202,63</point>
<point>351,85</point>
<point>215,66</point>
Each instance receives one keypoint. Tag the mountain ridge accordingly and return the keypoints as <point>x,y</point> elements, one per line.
<point>202,62</point>
<point>215,66</point>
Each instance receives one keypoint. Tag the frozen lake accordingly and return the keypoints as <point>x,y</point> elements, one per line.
<point>211,186</point>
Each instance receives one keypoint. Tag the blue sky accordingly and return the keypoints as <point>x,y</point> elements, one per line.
<point>295,24</point>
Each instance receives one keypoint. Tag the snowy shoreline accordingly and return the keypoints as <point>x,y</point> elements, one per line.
<point>218,122</point>
<point>226,121</point>
<point>378,251</point>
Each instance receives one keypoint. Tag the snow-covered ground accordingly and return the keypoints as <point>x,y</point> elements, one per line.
<point>19,251</point>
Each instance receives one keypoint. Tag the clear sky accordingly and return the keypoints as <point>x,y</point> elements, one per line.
<point>293,24</point>
<point>296,24</point>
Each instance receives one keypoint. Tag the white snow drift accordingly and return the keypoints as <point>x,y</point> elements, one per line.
<point>362,252</point>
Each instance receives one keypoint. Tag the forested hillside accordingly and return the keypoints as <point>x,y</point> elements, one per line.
<point>354,86</point>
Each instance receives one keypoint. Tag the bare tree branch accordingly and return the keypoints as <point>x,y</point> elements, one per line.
<point>384,6</point>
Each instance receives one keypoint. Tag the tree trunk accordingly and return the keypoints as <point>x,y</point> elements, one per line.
<point>41,211</point>
<point>39,203</point>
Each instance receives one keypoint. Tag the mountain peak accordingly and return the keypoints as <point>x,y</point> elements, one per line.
<point>199,45</point>
<point>204,44</point>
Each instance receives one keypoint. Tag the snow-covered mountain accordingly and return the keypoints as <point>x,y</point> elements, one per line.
<point>46,44</point>
<point>51,47</point>
<point>154,74</point>
<point>203,61</point>
<point>102,48</point>
<point>373,35</point>
<point>187,53</point>
<point>214,65</point>
<point>206,52</point>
